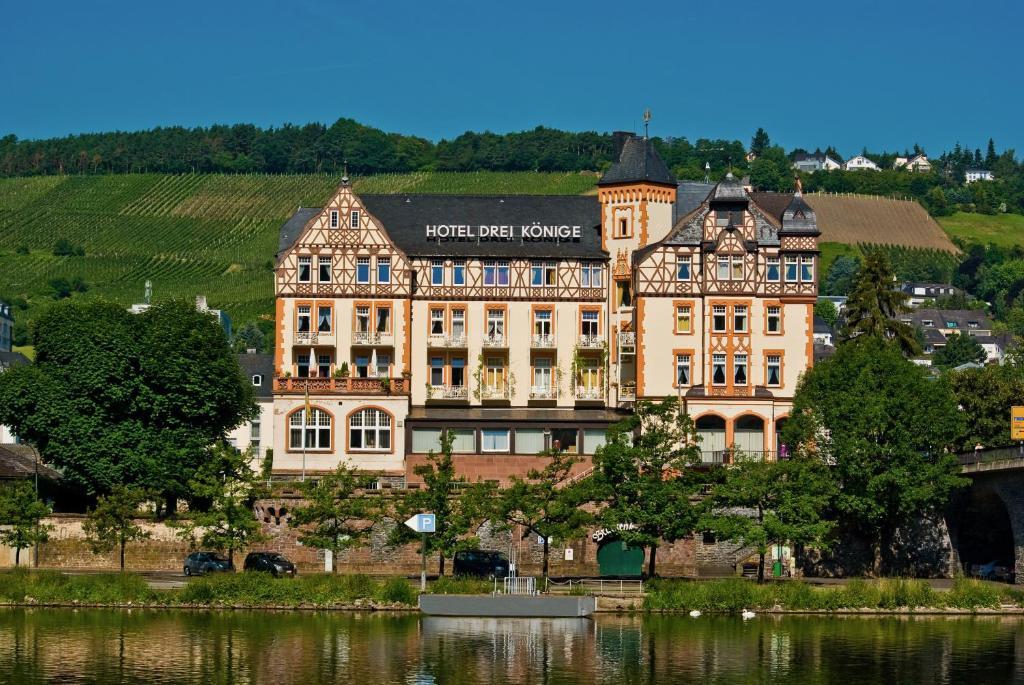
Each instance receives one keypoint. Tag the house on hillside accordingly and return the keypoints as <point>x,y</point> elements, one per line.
<point>938,324</point>
<point>814,161</point>
<point>918,293</point>
<point>823,333</point>
<point>918,162</point>
<point>972,175</point>
<point>860,162</point>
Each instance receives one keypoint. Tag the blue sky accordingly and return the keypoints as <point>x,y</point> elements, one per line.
<point>848,73</point>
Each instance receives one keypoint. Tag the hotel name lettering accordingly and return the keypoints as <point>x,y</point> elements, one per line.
<point>495,232</point>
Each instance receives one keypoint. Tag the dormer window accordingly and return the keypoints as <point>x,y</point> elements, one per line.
<point>927,322</point>
<point>951,324</point>
<point>257,380</point>
<point>972,324</point>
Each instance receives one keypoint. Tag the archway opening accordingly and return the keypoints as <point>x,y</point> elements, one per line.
<point>985,536</point>
<point>711,430</point>
<point>781,448</point>
<point>748,435</point>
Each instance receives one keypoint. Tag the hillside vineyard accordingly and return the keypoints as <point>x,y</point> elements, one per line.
<point>391,332</point>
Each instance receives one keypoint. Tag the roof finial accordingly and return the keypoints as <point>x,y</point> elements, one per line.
<point>647,120</point>
<point>344,174</point>
<point>799,185</point>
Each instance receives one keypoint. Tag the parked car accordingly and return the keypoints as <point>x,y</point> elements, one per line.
<point>201,563</point>
<point>482,563</point>
<point>269,562</point>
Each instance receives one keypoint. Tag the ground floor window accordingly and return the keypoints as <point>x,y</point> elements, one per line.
<point>315,425</point>
<point>495,440</point>
<point>369,429</point>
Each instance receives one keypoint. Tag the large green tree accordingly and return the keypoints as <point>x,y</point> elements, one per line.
<point>986,396</point>
<point>886,428</point>
<point>336,514</point>
<point>874,305</point>
<point>759,503</point>
<point>21,514</point>
<point>646,479</point>
<point>840,276</point>
<point>114,397</point>
<point>546,504</point>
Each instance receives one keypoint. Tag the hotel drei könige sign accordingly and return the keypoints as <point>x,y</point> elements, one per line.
<point>502,232</point>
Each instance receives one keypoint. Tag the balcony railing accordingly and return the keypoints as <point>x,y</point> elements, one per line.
<point>627,392</point>
<point>306,337</point>
<point>489,392</point>
<point>372,338</point>
<point>585,393</point>
<point>448,392</point>
<point>447,340</point>
<point>341,386</point>
<point>731,456</point>
<point>627,342</point>
<point>543,392</point>
<point>542,340</point>
<point>493,341</point>
<point>590,342</point>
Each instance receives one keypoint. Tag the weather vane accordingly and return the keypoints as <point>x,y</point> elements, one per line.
<point>647,120</point>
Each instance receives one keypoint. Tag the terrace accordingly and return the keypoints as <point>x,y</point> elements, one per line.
<point>288,385</point>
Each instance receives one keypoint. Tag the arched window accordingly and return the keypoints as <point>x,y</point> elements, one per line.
<point>316,427</point>
<point>369,429</point>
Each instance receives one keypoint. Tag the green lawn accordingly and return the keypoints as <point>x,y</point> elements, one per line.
<point>1001,229</point>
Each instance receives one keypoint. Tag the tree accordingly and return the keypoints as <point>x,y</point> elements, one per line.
<point>249,337</point>
<point>765,175</point>
<point>645,478</point>
<point>937,203</point>
<point>336,515</point>
<point>885,428</point>
<point>841,275</point>
<point>456,505</point>
<point>826,309</point>
<point>116,398</point>
<point>111,523</point>
<point>874,304</point>
<point>759,142</point>
<point>986,396</point>
<point>760,502</point>
<point>960,348</point>
<point>22,513</point>
<point>225,487</point>
<point>545,504</point>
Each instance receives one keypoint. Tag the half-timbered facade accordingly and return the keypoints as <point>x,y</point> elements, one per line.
<point>521,323</point>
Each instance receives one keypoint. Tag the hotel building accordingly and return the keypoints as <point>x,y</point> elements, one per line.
<point>524,322</point>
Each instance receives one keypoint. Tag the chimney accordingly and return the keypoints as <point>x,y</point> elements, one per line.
<point>619,139</point>
<point>201,303</point>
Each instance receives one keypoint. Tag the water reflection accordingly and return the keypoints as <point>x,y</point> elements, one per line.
<point>90,646</point>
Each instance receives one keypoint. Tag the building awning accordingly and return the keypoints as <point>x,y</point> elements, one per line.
<point>506,416</point>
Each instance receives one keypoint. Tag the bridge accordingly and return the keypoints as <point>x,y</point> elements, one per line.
<point>986,521</point>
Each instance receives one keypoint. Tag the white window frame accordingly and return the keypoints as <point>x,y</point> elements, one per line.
<point>775,316</point>
<point>741,312</point>
<point>773,360</point>
<point>683,363</point>
<point>777,263</point>
<point>384,262</point>
<point>496,433</point>
<point>322,262</point>
<point>719,359</point>
<point>684,262</point>
<point>794,261</point>
<point>353,218</point>
<point>436,272</point>
<point>334,218</point>
<point>741,361</point>
<point>716,310</point>
<point>680,308</point>
<point>369,421</point>
<point>362,261</point>
<point>305,261</point>
<point>807,269</point>
<point>459,272</point>
<point>319,421</point>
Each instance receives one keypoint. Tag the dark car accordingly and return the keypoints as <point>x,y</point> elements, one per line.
<point>201,563</point>
<point>269,562</point>
<point>482,563</point>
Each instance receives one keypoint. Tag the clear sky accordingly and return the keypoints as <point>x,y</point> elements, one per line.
<point>849,73</point>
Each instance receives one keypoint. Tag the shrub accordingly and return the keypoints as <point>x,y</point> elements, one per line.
<point>460,585</point>
<point>896,593</point>
<point>54,587</point>
<point>970,593</point>
<point>397,590</point>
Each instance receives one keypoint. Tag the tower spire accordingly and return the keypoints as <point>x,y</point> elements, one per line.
<point>647,121</point>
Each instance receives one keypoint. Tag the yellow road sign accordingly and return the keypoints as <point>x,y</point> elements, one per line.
<point>1017,423</point>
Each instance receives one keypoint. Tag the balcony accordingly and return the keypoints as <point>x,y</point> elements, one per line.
<point>590,342</point>
<point>542,341</point>
<point>543,392</point>
<point>287,385</point>
<point>592,394</point>
<point>314,338</point>
<point>494,342</point>
<point>733,455</point>
<point>447,392</point>
<point>627,343</point>
<point>489,392</point>
<point>372,338</point>
<point>447,341</point>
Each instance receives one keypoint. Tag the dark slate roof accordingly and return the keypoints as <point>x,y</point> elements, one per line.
<point>293,227</point>
<point>939,318</point>
<point>639,161</point>
<point>821,326</point>
<point>799,217</point>
<point>823,352</point>
<point>258,365</point>
<point>514,415</point>
<point>772,203</point>
<point>12,359</point>
<point>729,188</point>
<point>934,336</point>
<point>20,462</point>
<point>405,218</point>
<point>689,196</point>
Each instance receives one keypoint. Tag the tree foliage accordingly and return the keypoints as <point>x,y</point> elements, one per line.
<point>840,276</point>
<point>225,487</point>
<point>886,428</point>
<point>986,396</point>
<point>646,479</point>
<point>111,524</point>
<point>759,503</point>
<point>826,309</point>
<point>960,348</point>
<point>336,515</point>
<point>22,514</point>
<point>117,398</point>
<point>874,305</point>
<point>545,504</point>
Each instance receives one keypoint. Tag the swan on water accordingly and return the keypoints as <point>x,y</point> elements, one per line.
<point>747,613</point>
<point>694,614</point>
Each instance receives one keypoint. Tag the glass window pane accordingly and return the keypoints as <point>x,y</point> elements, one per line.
<point>592,440</point>
<point>464,440</point>
<point>494,439</point>
<point>529,440</point>
<point>426,439</point>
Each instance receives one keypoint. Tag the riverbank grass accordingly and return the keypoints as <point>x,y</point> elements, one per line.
<point>889,594</point>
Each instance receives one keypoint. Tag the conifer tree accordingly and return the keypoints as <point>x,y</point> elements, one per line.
<point>875,303</point>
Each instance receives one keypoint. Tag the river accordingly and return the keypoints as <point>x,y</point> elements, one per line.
<point>280,648</point>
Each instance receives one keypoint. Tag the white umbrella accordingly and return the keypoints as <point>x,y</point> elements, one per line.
<point>373,364</point>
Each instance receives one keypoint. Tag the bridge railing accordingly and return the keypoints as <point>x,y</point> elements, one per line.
<point>995,454</point>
